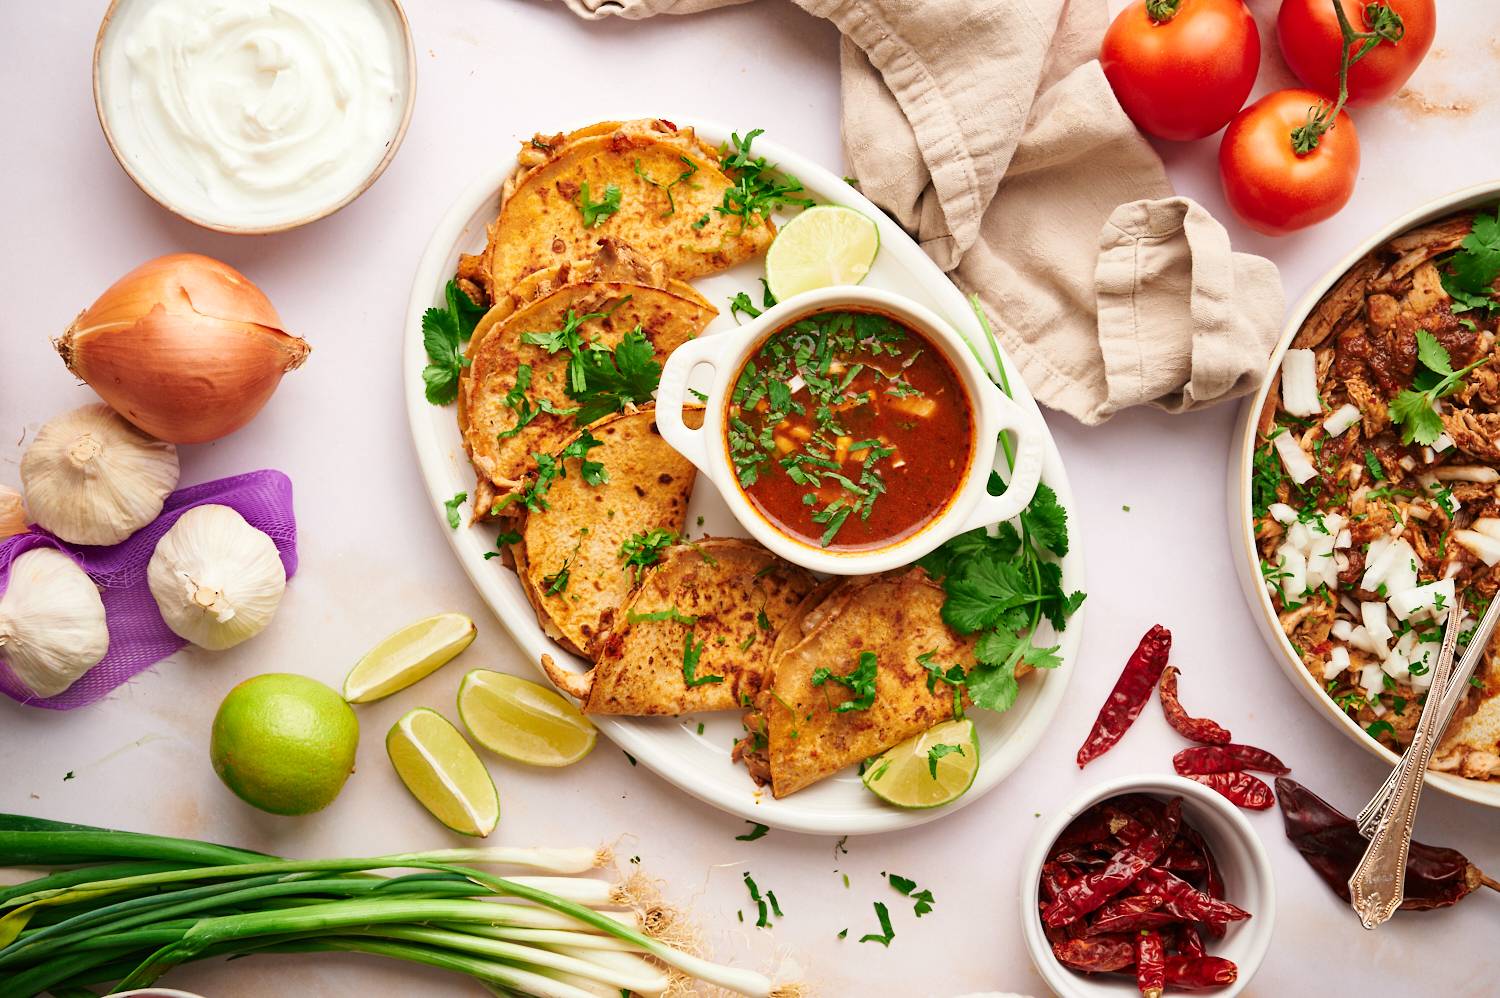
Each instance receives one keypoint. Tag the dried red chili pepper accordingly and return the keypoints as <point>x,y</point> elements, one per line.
<point>1088,829</point>
<point>1198,729</point>
<point>1128,914</point>
<point>1093,889</point>
<point>1330,842</point>
<point>1130,693</point>
<point>1150,964</point>
<point>1203,759</point>
<point>1238,788</point>
<point>1190,942</point>
<point>1183,857</point>
<point>1186,901</point>
<point>1195,973</point>
<point>1095,955</point>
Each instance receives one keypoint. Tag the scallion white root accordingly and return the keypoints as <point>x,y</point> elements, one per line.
<point>592,892</point>
<point>578,860</point>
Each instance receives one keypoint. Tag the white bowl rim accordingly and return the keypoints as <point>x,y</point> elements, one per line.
<point>991,412</point>
<point>1261,880</point>
<point>1247,558</point>
<point>394,143</point>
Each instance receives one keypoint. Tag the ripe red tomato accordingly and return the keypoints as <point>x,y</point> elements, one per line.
<point>1272,188</point>
<point>1185,76</point>
<point>1310,40</point>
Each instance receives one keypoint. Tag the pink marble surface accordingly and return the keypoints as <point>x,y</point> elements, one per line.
<point>490,72</point>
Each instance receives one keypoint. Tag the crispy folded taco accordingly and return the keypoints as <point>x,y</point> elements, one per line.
<point>504,422</point>
<point>708,612</point>
<point>668,184</point>
<point>568,557</point>
<point>798,737</point>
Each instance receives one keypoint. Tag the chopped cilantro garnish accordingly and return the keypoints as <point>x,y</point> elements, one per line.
<point>923,898</point>
<point>613,378</point>
<point>1469,274</point>
<point>690,655</point>
<point>754,833</point>
<point>451,508</point>
<point>550,468</point>
<point>641,551</point>
<point>886,932</point>
<point>670,613</point>
<point>937,752</point>
<point>593,211</point>
<point>692,168</point>
<point>860,683</point>
<point>756,191</point>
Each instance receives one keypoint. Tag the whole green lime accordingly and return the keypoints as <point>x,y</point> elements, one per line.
<point>284,743</point>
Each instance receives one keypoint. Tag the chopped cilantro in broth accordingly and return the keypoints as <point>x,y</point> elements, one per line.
<point>849,430</point>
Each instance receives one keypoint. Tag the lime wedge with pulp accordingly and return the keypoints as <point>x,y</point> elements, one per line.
<point>934,768</point>
<point>412,653</point>
<point>443,773</point>
<point>825,245</point>
<point>523,721</point>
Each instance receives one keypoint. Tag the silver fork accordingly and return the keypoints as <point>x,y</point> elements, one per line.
<point>1377,886</point>
<point>1446,705</point>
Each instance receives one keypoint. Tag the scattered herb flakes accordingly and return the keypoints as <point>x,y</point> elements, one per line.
<point>841,846</point>
<point>758,831</point>
<point>550,468</point>
<point>670,613</point>
<point>886,932</point>
<point>450,507</point>
<point>846,880</point>
<point>593,211</point>
<point>700,727</point>
<point>628,756</point>
<point>907,887</point>
<point>444,332</point>
<point>1372,463</point>
<point>860,683</point>
<point>843,933</point>
<point>635,861</point>
<point>641,551</point>
<point>692,168</point>
<point>67,776</point>
<point>558,581</point>
<point>1435,379</point>
<point>1125,509</point>
<point>765,904</point>
<point>690,656</point>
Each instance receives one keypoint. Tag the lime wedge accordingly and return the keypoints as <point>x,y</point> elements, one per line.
<point>412,653</point>
<point>523,721</point>
<point>903,774</point>
<point>825,245</point>
<point>443,773</point>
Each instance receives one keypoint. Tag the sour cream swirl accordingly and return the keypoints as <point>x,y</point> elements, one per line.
<point>255,112</point>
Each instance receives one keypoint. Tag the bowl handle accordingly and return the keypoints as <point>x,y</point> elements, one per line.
<point>671,396</point>
<point>1025,474</point>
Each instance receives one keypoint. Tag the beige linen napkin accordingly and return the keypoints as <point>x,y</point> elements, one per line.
<point>987,129</point>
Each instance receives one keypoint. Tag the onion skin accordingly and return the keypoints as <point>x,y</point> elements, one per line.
<point>184,346</point>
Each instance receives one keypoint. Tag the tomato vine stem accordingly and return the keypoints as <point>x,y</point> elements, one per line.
<point>1385,25</point>
<point>1162,11</point>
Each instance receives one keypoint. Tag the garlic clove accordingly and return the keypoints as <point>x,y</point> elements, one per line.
<point>12,513</point>
<point>216,579</point>
<point>92,478</point>
<point>52,626</point>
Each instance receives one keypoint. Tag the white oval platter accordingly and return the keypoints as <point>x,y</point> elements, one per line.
<point>674,748</point>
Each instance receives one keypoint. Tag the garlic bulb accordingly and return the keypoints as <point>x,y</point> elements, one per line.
<point>217,580</point>
<point>92,478</point>
<point>12,513</point>
<point>51,622</point>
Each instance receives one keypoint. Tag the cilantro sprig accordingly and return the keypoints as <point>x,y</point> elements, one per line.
<point>445,330</point>
<point>1001,586</point>
<point>628,374</point>
<point>642,550</point>
<point>666,188</point>
<point>549,468</point>
<point>691,653</point>
<point>1469,274</point>
<point>886,933</point>
<point>1435,379</point>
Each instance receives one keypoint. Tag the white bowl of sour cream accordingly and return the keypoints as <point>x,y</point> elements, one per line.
<point>254,116</point>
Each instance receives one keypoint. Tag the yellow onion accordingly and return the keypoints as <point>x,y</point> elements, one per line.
<point>183,346</point>
<point>12,513</point>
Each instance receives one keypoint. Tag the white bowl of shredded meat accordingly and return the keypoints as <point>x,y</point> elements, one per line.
<point>1365,491</point>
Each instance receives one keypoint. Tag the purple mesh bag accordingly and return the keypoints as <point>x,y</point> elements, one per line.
<point>138,637</point>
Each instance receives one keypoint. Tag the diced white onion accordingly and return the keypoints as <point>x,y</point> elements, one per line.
<point>1360,638</point>
<point>1343,418</point>
<point>1282,513</point>
<point>1481,546</point>
<point>1356,472</point>
<point>1483,474</point>
<point>1428,455</point>
<point>1293,459</point>
<point>1341,629</point>
<point>1299,383</point>
<point>1344,540</point>
<point>1385,563</point>
<point>1371,681</point>
<point>1341,562</point>
<point>1434,598</point>
<point>1429,481</point>
<point>1452,569</point>
<point>1338,661</point>
<point>1373,616</point>
<point>1349,605</point>
<point>1419,512</point>
<point>1408,462</point>
<point>1377,708</point>
<point>1442,443</point>
<point>1396,666</point>
<point>1294,565</point>
<point>1487,525</point>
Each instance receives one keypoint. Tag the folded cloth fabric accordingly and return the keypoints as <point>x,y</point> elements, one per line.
<point>138,636</point>
<point>988,130</point>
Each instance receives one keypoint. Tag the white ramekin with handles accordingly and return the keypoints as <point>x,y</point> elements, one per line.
<point>992,413</point>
